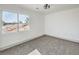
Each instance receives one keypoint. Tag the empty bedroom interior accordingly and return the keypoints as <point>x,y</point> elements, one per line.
<point>39,29</point>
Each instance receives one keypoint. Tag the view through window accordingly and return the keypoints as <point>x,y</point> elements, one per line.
<point>12,24</point>
<point>23,22</point>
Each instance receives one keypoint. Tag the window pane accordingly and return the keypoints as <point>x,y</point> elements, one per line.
<point>23,22</point>
<point>9,20</point>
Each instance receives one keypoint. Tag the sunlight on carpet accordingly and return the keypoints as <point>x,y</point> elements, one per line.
<point>35,52</point>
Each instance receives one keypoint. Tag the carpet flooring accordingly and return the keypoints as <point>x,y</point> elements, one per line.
<point>46,45</point>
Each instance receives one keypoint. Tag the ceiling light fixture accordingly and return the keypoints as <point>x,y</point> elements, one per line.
<point>46,6</point>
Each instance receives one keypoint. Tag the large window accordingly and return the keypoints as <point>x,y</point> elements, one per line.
<point>12,23</point>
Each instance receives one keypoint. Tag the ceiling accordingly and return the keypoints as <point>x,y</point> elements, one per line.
<point>53,7</point>
<point>40,9</point>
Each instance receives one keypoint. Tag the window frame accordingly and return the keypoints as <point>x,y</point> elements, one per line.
<point>17,21</point>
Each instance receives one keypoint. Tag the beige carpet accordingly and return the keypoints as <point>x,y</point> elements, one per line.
<point>46,45</point>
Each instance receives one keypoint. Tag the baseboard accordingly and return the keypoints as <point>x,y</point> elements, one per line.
<point>15,44</point>
<point>18,43</point>
<point>72,40</point>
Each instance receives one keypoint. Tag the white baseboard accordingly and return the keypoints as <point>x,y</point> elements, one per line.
<point>73,40</point>
<point>14,44</point>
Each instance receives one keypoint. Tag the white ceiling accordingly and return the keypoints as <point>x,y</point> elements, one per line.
<point>53,8</point>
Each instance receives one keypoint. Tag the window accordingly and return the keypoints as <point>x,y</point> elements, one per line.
<point>9,21</point>
<point>23,22</point>
<point>12,23</point>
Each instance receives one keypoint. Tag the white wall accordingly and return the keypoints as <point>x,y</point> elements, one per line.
<point>36,28</point>
<point>0,30</point>
<point>63,24</point>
